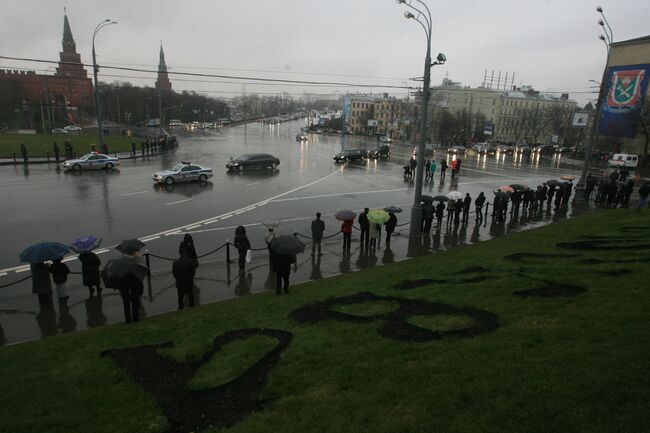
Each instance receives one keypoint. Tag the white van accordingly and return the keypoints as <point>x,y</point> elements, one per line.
<point>624,160</point>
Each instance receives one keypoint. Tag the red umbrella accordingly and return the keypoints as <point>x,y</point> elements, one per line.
<point>506,188</point>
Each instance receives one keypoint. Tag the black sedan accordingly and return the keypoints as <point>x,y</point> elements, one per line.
<point>251,161</point>
<point>381,151</point>
<point>351,155</point>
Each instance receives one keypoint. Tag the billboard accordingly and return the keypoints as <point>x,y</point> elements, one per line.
<point>347,110</point>
<point>625,90</point>
<point>372,123</point>
<point>488,129</point>
<point>580,119</point>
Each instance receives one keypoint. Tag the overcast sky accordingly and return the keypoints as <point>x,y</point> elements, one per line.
<point>552,45</point>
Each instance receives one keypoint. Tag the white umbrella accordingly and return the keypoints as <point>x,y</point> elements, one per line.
<point>455,195</point>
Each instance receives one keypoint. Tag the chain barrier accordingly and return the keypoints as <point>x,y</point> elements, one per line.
<point>16,282</point>
<point>213,251</point>
<point>160,257</point>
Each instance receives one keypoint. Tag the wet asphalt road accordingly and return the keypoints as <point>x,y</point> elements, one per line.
<point>43,203</point>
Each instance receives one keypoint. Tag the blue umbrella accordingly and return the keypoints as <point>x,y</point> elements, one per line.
<point>85,244</point>
<point>43,252</point>
<point>345,215</point>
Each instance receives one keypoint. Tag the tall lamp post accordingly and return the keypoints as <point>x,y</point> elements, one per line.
<point>424,19</point>
<point>98,101</point>
<point>607,39</point>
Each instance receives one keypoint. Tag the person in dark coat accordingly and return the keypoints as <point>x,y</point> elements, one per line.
<point>41,283</point>
<point>443,168</point>
<point>90,271</point>
<point>590,183</point>
<point>427,167</point>
<point>427,216</point>
<point>23,151</point>
<point>243,245</point>
<point>364,225</point>
<point>60,271</point>
<point>440,213</point>
<point>390,226</point>
<point>187,244</point>
<point>458,163</point>
<point>133,148</point>
<point>629,187</point>
<point>478,205</point>
<point>142,148</point>
<point>131,288</point>
<point>515,198</point>
<point>467,203</point>
<point>56,152</point>
<point>184,271</point>
<point>458,209</point>
<point>317,229</point>
<point>282,266</point>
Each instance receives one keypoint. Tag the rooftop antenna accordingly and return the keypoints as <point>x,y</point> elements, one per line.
<point>505,82</point>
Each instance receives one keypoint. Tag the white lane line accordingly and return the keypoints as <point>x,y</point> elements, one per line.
<point>3,274</point>
<point>23,269</point>
<point>193,227</point>
<point>102,251</point>
<point>225,217</point>
<point>338,194</point>
<point>133,193</point>
<point>149,239</point>
<point>254,183</point>
<point>177,202</point>
<point>240,212</point>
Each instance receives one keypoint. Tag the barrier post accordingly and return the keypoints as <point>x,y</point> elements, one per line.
<point>147,260</point>
<point>228,251</point>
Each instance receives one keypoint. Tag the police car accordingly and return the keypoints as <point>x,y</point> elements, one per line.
<point>183,172</point>
<point>92,161</point>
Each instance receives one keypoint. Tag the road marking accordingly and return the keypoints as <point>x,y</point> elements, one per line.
<point>149,239</point>
<point>254,183</point>
<point>133,193</point>
<point>22,269</point>
<point>193,227</point>
<point>240,212</point>
<point>177,202</point>
<point>339,194</point>
<point>3,274</point>
<point>225,217</point>
<point>102,251</point>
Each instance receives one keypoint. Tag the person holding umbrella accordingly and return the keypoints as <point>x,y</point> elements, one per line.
<point>126,275</point>
<point>478,203</point>
<point>90,262</point>
<point>440,213</point>
<point>427,216</point>
<point>347,216</point>
<point>36,255</point>
<point>284,249</point>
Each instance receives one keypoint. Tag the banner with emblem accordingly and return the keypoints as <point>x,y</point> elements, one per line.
<point>625,91</point>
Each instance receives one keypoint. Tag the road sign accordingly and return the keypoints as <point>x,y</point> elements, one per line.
<point>488,129</point>
<point>580,119</point>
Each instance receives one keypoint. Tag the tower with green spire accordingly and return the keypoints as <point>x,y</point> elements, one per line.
<point>162,82</point>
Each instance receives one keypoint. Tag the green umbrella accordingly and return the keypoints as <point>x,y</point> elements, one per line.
<point>378,216</point>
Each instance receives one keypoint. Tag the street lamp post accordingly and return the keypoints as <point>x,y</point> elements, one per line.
<point>415,229</point>
<point>98,102</point>
<point>607,38</point>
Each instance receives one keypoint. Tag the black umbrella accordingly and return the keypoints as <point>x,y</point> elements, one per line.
<point>425,197</point>
<point>287,245</point>
<point>518,187</point>
<point>393,209</point>
<point>130,246</point>
<point>553,182</point>
<point>441,198</point>
<point>116,270</point>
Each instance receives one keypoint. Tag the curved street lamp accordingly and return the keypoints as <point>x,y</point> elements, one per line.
<point>98,101</point>
<point>423,18</point>
<point>608,39</point>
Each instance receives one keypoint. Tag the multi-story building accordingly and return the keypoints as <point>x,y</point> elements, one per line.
<point>517,115</point>
<point>379,115</point>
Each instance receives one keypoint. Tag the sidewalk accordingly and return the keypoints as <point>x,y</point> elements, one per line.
<point>216,279</point>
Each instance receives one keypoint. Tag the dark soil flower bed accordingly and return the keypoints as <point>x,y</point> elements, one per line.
<point>194,410</point>
<point>519,257</point>
<point>396,324</point>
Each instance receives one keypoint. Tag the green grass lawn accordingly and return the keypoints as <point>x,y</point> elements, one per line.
<point>40,144</point>
<point>555,364</point>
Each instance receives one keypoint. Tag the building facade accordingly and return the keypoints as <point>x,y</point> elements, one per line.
<point>67,90</point>
<point>380,115</point>
<point>510,116</point>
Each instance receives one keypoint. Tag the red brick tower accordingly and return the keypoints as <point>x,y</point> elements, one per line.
<point>163,82</point>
